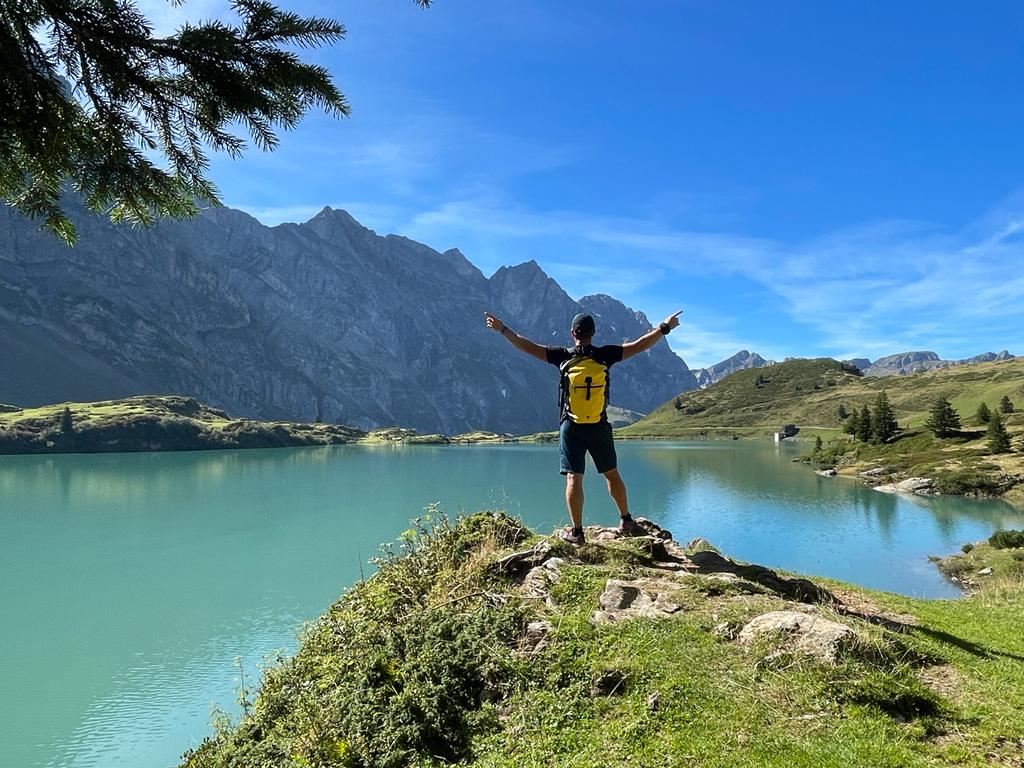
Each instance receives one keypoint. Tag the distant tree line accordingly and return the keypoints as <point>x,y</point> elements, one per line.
<point>879,425</point>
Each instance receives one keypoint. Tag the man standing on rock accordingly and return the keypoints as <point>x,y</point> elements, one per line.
<point>583,400</point>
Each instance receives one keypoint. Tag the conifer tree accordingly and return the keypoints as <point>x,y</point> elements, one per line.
<point>91,98</point>
<point>943,420</point>
<point>1006,405</point>
<point>984,414</point>
<point>817,445</point>
<point>678,403</point>
<point>883,420</point>
<point>864,427</point>
<point>67,424</point>
<point>852,425</point>
<point>842,413</point>
<point>998,437</point>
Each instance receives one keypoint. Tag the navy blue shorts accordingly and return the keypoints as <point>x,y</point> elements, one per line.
<point>575,441</point>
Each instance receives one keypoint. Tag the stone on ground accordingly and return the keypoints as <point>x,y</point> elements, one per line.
<point>648,598</point>
<point>801,633</point>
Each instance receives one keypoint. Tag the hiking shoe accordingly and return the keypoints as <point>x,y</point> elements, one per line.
<point>576,539</point>
<point>630,527</point>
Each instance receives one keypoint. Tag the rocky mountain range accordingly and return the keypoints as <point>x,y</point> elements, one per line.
<point>322,320</point>
<point>891,365</point>
<point>913,362</point>
<point>738,362</point>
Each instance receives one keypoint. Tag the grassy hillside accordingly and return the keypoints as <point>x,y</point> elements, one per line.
<point>174,423</point>
<point>808,393</point>
<point>151,423</point>
<point>631,653</point>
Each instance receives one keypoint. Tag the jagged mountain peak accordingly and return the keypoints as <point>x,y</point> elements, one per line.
<point>327,213</point>
<point>527,270</point>
<point>738,362</point>
<point>332,223</point>
<point>462,265</point>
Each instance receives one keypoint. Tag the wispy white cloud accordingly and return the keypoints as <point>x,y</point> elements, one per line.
<point>622,282</point>
<point>701,346</point>
<point>863,291</point>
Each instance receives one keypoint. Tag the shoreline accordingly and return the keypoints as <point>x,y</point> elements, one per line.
<point>170,423</point>
<point>693,629</point>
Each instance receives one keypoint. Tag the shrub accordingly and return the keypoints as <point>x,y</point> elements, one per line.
<point>966,548</point>
<point>1007,539</point>
<point>398,669</point>
<point>965,482</point>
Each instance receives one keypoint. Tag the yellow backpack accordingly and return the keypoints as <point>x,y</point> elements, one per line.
<point>586,388</point>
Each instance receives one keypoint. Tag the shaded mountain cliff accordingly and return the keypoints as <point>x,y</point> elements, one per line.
<point>324,319</point>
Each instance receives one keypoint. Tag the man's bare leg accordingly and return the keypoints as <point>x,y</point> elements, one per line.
<point>617,490</point>
<point>574,498</point>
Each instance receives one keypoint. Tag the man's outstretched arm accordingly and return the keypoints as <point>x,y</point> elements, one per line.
<point>650,338</point>
<point>519,342</point>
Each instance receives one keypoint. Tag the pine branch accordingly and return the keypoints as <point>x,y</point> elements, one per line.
<point>92,91</point>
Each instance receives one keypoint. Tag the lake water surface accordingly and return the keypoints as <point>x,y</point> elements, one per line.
<point>130,584</point>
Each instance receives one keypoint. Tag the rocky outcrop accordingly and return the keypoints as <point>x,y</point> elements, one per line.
<point>322,320</point>
<point>738,362</point>
<point>860,363</point>
<point>921,485</point>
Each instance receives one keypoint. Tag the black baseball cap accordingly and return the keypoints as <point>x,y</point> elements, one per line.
<point>583,325</point>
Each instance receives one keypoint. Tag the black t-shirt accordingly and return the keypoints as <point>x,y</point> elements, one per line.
<point>607,355</point>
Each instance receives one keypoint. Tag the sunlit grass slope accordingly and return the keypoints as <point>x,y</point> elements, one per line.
<point>808,393</point>
<point>434,660</point>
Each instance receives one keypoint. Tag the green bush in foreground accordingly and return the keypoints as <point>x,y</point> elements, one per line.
<point>1007,539</point>
<point>395,670</point>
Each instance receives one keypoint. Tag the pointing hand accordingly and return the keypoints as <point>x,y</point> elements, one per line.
<point>493,322</point>
<point>672,321</point>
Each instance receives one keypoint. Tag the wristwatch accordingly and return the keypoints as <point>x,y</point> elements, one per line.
<point>664,328</point>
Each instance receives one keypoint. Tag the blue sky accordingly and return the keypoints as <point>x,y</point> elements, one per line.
<point>803,178</point>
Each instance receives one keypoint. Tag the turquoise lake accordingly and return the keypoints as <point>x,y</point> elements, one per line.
<point>131,584</point>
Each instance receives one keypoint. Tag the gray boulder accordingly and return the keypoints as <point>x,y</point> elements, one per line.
<point>647,598</point>
<point>803,633</point>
